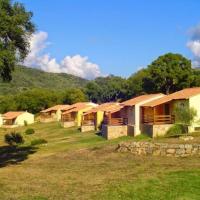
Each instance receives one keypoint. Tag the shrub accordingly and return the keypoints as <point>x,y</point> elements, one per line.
<point>13,138</point>
<point>29,131</point>
<point>25,123</point>
<point>38,141</point>
<point>176,130</point>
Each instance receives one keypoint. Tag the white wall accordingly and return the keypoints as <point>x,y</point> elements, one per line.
<point>26,116</point>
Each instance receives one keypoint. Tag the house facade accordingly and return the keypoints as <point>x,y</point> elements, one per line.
<point>93,119</point>
<point>127,120</point>
<point>73,115</point>
<point>53,113</point>
<point>17,118</point>
<point>158,115</point>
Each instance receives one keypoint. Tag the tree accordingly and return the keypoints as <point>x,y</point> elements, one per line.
<point>105,89</point>
<point>168,73</point>
<point>184,116</point>
<point>15,29</point>
<point>136,83</point>
<point>73,96</point>
<point>94,91</point>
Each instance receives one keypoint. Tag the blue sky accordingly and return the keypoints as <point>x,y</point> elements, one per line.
<point>120,36</point>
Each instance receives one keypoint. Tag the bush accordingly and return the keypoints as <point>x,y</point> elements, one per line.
<point>176,130</point>
<point>13,138</point>
<point>25,123</point>
<point>29,131</point>
<point>38,141</point>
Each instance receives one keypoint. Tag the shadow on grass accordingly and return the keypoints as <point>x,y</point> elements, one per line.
<point>14,155</point>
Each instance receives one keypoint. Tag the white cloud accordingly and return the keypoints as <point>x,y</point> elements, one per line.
<point>76,65</point>
<point>194,45</point>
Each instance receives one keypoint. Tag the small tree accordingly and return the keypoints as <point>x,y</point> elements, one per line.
<point>14,139</point>
<point>184,116</point>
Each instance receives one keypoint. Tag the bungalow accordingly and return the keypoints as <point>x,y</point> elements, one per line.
<point>73,115</point>
<point>157,115</point>
<point>93,119</point>
<point>128,120</point>
<point>17,118</point>
<point>53,113</point>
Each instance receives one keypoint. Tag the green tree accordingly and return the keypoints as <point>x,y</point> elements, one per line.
<point>169,73</point>
<point>15,29</point>
<point>136,83</point>
<point>184,116</point>
<point>105,89</point>
<point>73,96</point>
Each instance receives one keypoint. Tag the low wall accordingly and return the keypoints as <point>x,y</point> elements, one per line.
<point>68,124</point>
<point>111,132</point>
<point>159,149</point>
<point>155,130</point>
<point>86,128</point>
<point>46,120</point>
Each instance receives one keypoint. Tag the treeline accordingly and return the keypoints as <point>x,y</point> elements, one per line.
<point>35,100</point>
<point>167,74</point>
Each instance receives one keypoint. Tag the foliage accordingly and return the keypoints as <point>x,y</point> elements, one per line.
<point>25,123</point>
<point>105,89</point>
<point>136,83</point>
<point>13,138</point>
<point>38,141</point>
<point>30,131</point>
<point>175,130</point>
<point>184,116</point>
<point>24,78</point>
<point>36,100</point>
<point>73,96</point>
<point>168,73</point>
<point>15,30</point>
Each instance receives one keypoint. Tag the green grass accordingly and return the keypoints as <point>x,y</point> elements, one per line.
<point>74,165</point>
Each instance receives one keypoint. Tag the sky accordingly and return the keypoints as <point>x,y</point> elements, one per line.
<point>92,38</point>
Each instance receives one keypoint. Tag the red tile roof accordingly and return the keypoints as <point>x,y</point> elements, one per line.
<point>183,94</point>
<point>140,99</point>
<point>12,115</point>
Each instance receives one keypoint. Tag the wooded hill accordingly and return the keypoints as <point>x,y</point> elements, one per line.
<point>27,78</point>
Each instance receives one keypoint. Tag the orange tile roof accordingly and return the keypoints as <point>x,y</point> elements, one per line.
<point>78,106</point>
<point>183,94</point>
<point>102,107</point>
<point>114,108</point>
<point>12,115</point>
<point>139,99</point>
<point>55,108</point>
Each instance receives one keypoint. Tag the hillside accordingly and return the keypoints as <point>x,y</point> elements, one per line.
<point>26,78</point>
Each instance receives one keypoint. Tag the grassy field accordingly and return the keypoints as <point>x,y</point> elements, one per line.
<point>74,165</point>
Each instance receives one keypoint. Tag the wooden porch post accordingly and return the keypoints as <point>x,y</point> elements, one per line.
<point>153,115</point>
<point>109,118</point>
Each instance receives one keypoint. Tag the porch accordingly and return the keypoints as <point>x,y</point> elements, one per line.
<point>160,114</point>
<point>47,117</point>
<point>68,119</point>
<point>115,119</point>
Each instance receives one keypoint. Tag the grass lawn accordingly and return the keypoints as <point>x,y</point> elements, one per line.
<point>74,165</point>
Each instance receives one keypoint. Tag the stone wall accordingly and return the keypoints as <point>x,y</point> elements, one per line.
<point>68,124</point>
<point>111,132</point>
<point>159,149</point>
<point>86,128</point>
<point>155,130</point>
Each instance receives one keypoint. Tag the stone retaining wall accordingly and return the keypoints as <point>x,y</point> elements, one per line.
<point>159,149</point>
<point>86,128</point>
